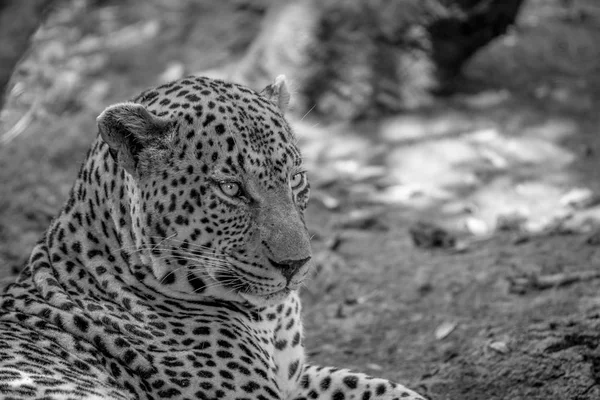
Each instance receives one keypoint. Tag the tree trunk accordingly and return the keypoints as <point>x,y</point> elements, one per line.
<point>348,59</point>
<point>19,19</point>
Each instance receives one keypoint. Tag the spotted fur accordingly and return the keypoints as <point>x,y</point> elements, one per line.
<point>172,271</point>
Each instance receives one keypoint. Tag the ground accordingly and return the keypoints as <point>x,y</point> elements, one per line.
<point>507,168</point>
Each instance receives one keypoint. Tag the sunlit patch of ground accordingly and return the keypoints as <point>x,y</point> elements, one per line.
<point>460,163</point>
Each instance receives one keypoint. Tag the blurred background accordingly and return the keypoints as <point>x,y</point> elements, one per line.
<point>451,144</point>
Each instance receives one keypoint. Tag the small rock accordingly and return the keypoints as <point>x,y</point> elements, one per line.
<point>422,280</point>
<point>593,239</point>
<point>352,301</point>
<point>521,239</point>
<point>334,242</point>
<point>499,347</point>
<point>429,235</point>
<point>449,350</point>
<point>462,246</point>
<point>512,222</point>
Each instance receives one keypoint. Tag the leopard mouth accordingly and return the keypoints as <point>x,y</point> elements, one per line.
<point>267,299</point>
<point>250,291</point>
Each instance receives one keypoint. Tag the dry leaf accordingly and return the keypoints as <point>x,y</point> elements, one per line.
<point>487,99</point>
<point>477,226</point>
<point>445,329</point>
<point>330,202</point>
<point>362,219</point>
<point>579,198</point>
<point>174,71</point>
<point>374,367</point>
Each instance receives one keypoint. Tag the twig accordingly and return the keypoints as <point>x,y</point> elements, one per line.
<point>20,126</point>
<point>541,282</point>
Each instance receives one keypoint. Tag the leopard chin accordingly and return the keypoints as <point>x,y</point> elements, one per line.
<point>267,300</point>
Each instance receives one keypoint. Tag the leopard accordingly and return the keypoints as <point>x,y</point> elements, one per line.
<point>173,269</point>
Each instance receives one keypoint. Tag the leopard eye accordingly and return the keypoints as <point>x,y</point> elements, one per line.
<point>297,180</point>
<point>230,189</point>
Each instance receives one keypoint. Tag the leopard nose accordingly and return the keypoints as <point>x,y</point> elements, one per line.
<point>289,268</point>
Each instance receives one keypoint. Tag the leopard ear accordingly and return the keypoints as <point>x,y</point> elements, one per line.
<point>278,93</point>
<point>129,130</point>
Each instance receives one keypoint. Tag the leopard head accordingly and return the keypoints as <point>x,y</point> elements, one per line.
<point>215,188</point>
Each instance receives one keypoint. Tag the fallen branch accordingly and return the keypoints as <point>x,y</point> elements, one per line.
<point>522,284</point>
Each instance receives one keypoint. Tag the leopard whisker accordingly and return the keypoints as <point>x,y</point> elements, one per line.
<point>186,242</point>
<point>183,242</point>
<point>192,244</point>
<point>166,238</point>
<point>308,112</point>
<point>193,258</point>
<point>194,253</point>
<point>188,251</point>
<point>198,264</point>
<point>203,269</point>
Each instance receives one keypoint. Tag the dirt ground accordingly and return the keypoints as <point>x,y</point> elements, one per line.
<point>508,169</point>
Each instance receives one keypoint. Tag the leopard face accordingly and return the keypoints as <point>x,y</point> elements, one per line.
<point>215,188</point>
